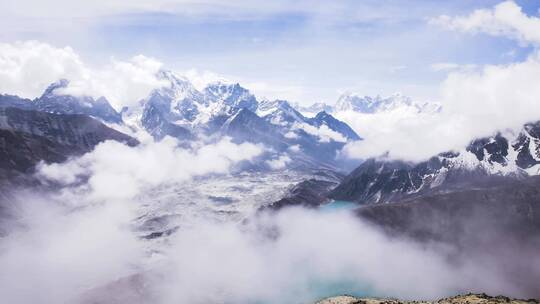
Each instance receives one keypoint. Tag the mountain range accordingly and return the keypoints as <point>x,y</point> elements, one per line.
<point>491,185</point>
<point>358,103</point>
<point>179,110</point>
<point>508,155</point>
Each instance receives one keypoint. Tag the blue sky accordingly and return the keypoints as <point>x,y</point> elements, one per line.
<point>307,51</point>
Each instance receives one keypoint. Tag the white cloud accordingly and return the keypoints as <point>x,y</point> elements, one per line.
<point>120,172</point>
<point>275,90</point>
<point>311,253</point>
<point>233,9</point>
<point>300,253</point>
<point>291,135</point>
<point>27,68</point>
<point>294,148</point>
<point>279,163</point>
<point>88,249</point>
<point>505,19</point>
<point>477,100</point>
<point>450,67</point>
<point>324,133</point>
<point>402,132</point>
<point>63,252</point>
<point>200,79</point>
<point>475,103</point>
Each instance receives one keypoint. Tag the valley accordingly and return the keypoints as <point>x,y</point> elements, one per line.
<point>270,152</point>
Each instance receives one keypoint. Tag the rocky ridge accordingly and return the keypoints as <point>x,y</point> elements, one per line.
<point>460,299</point>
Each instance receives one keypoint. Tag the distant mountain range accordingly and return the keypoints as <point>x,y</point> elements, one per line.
<point>228,109</point>
<point>179,110</point>
<point>52,101</point>
<point>373,104</point>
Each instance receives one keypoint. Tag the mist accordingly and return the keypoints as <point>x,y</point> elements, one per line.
<point>80,244</point>
<point>295,256</point>
<point>477,100</point>
<point>475,104</point>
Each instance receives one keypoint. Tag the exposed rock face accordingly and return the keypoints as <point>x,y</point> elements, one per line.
<point>323,118</point>
<point>247,126</point>
<point>179,110</point>
<point>462,299</point>
<point>15,102</point>
<point>231,97</point>
<point>309,193</point>
<point>505,207</point>
<point>156,123</point>
<point>27,137</point>
<point>52,101</point>
<point>527,145</point>
<point>493,221</point>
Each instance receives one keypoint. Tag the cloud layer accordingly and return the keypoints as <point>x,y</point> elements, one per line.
<point>27,68</point>
<point>475,104</point>
<point>120,172</point>
<point>298,255</point>
<point>505,19</point>
<point>477,100</point>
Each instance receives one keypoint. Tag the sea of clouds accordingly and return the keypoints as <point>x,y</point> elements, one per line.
<point>79,243</point>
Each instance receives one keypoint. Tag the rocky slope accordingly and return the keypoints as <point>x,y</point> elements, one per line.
<point>461,299</point>
<point>28,136</point>
<point>179,110</point>
<point>53,100</point>
<point>380,180</point>
<point>505,207</point>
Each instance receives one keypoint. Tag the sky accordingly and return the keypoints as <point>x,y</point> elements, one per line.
<point>303,51</point>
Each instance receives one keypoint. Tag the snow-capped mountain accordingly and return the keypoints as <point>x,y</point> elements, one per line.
<point>352,102</point>
<point>376,181</point>
<point>327,120</point>
<point>315,108</point>
<point>178,109</point>
<point>54,101</point>
<point>279,112</point>
<point>169,109</point>
<point>229,98</point>
<point>377,104</point>
<point>180,104</point>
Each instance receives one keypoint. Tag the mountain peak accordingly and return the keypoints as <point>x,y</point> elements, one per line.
<point>323,118</point>
<point>231,95</point>
<point>279,112</point>
<point>323,114</point>
<point>59,84</point>
<point>52,102</point>
<point>370,105</point>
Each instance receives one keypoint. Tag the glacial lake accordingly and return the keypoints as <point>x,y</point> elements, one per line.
<point>337,205</point>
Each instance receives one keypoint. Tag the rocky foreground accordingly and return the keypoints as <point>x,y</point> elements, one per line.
<point>462,299</point>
